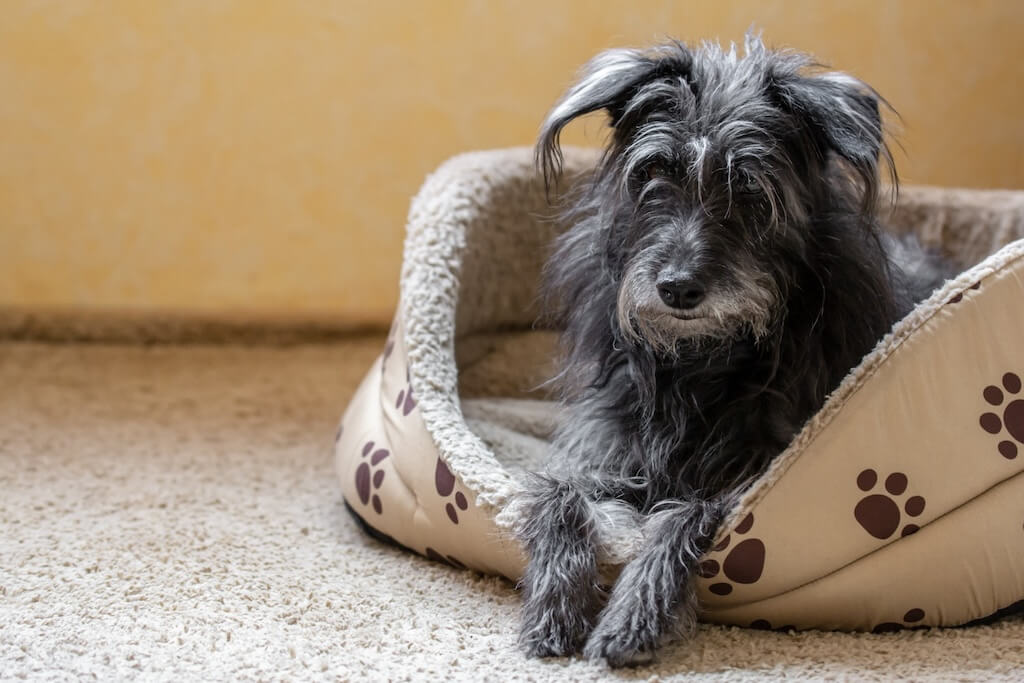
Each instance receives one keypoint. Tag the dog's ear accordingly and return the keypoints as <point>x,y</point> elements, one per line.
<point>843,115</point>
<point>606,82</point>
<point>841,109</point>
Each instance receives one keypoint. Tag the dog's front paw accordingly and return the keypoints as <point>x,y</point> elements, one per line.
<point>554,630</point>
<point>626,634</point>
<point>619,647</point>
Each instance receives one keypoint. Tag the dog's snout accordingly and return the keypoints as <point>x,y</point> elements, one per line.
<point>682,293</point>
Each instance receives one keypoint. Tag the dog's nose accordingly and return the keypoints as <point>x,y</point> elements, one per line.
<point>682,293</point>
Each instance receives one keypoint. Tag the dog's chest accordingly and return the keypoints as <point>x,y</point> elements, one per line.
<point>710,434</point>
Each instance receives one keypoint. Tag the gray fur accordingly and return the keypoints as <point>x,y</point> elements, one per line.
<point>724,271</point>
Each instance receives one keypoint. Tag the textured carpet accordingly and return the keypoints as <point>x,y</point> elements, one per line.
<point>171,513</point>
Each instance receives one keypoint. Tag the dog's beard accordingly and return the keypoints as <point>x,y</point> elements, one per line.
<point>748,306</point>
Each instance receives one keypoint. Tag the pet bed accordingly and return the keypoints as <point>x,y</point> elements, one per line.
<point>900,504</point>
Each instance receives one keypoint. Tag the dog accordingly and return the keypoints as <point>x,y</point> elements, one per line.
<point>724,269</point>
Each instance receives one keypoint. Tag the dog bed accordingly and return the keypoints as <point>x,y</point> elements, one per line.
<point>900,504</point>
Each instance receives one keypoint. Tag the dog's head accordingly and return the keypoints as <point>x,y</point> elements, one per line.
<point>702,204</point>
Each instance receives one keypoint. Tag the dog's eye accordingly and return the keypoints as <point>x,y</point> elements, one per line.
<point>655,171</point>
<point>748,184</point>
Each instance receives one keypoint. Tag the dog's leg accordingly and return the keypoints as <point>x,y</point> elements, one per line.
<point>654,595</point>
<point>561,586</point>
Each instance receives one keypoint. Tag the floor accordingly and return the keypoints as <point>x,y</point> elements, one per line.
<point>171,513</point>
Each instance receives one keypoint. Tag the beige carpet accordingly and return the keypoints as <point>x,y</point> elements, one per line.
<point>171,513</point>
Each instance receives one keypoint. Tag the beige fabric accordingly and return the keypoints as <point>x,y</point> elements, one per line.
<point>398,476</point>
<point>901,447</point>
<point>900,503</point>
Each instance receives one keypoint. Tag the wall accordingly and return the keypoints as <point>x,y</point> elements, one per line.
<point>258,157</point>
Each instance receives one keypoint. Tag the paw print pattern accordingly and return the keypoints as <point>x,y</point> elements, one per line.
<point>445,559</point>
<point>765,625</point>
<point>365,476</point>
<point>878,513</point>
<point>1012,420</point>
<point>909,619</point>
<point>405,401</point>
<point>444,482</point>
<point>959,296</point>
<point>743,564</point>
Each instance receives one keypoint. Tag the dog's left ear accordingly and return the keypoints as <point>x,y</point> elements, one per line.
<point>843,114</point>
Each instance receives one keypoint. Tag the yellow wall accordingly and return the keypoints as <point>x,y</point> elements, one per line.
<point>258,157</point>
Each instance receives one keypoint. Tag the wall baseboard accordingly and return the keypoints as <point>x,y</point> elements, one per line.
<point>156,327</point>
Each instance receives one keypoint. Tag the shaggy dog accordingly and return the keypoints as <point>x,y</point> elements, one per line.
<point>723,271</point>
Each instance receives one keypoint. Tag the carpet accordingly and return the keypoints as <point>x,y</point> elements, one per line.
<point>170,512</point>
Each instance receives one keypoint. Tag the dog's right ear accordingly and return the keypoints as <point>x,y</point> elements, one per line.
<point>844,114</point>
<point>606,82</point>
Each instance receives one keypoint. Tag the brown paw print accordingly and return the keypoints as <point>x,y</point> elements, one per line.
<point>405,401</point>
<point>909,619</point>
<point>365,476</point>
<point>959,296</point>
<point>878,513</point>
<point>743,564</point>
<point>1012,420</point>
<point>444,482</point>
<point>765,625</point>
<point>446,559</point>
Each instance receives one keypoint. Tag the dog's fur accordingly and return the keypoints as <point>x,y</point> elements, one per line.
<point>723,272</point>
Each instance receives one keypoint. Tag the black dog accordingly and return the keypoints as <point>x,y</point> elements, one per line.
<point>724,270</point>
